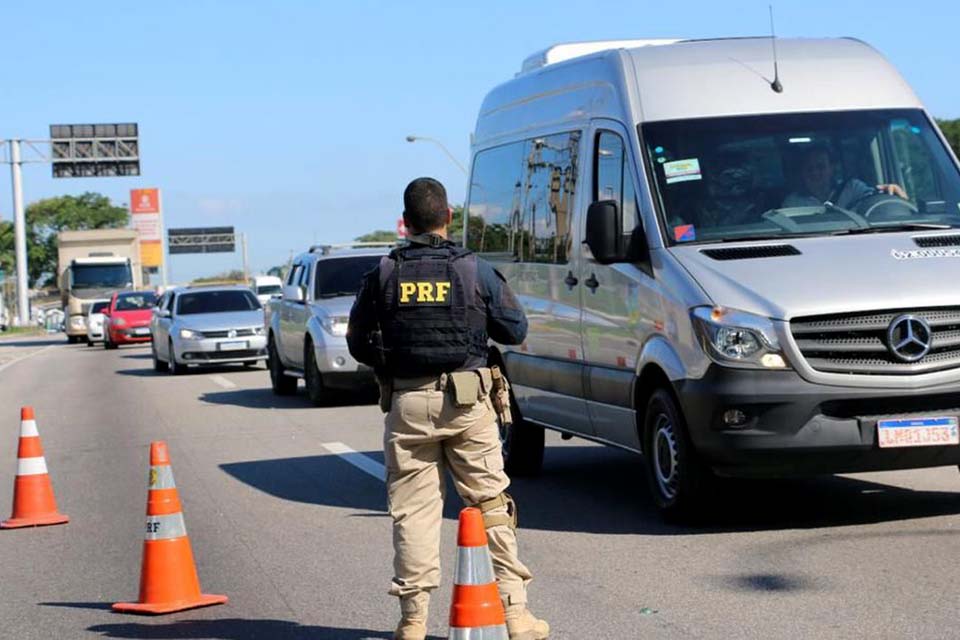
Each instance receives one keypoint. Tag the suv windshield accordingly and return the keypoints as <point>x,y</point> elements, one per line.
<point>342,276</point>
<point>216,302</point>
<point>741,178</point>
<point>98,307</point>
<point>135,301</point>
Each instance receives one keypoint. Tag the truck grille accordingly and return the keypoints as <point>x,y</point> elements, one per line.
<point>857,343</point>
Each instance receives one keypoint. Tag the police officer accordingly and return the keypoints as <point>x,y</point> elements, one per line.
<point>422,319</point>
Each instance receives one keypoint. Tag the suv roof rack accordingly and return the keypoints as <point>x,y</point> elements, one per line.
<point>325,249</point>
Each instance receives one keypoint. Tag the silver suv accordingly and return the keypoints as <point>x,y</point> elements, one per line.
<point>307,326</point>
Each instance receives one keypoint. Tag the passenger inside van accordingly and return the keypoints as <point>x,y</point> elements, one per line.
<point>819,184</point>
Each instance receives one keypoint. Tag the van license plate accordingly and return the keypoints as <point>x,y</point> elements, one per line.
<point>918,432</point>
<point>233,346</point>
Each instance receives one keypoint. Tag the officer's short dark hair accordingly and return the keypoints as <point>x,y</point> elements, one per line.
<point>425,205</point>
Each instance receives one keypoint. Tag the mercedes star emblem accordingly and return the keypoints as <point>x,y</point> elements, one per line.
<point>909,338</point>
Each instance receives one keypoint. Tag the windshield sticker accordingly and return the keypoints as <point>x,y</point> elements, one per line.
<point>685,233</point>
<point>682,170</point>
<point>925,253</point>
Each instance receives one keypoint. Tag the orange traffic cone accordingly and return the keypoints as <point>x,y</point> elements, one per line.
<point>168,577</point>
<point>476,610</point>
<point>33,501</point>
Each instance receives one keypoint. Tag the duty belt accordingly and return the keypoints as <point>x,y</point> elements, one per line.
<point>437,383</point>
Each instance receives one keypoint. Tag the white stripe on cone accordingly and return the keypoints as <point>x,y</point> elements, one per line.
<point>474,566</point>
<point>28,428</point>
<point>31,466</point>
<point>498,632</point>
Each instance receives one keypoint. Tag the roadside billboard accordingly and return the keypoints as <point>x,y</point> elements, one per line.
<point>147,218</point>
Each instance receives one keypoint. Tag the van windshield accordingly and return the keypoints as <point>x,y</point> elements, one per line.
<point>807,174</point>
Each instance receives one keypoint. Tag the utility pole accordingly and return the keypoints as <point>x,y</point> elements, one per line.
<point>246,267</point>
<point>19,235</point>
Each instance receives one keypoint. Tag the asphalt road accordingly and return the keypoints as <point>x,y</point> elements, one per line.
<point>291,525</point>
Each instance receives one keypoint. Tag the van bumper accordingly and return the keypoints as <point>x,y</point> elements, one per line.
<point>795,427</point>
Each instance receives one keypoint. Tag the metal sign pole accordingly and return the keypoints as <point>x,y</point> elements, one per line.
<point>20,235</point>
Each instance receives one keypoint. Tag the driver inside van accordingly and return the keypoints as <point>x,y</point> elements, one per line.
<point>819,184</point>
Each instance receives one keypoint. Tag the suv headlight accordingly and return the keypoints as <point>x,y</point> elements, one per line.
<point>188,334</point>
<point>335,325</point>
<point>738,339</point>
<point>78,321</point>
<point>258,331</point>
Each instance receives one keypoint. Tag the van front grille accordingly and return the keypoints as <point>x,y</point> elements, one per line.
<point>858,343</point>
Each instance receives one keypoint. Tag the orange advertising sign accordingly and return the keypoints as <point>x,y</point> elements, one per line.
<point>144,200</point>
<point>147,219</point>
<point>151,254</point>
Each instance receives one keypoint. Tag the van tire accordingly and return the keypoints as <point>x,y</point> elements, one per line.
<point>282,384</point>
<point>677,476</point>
<point>523,444</point>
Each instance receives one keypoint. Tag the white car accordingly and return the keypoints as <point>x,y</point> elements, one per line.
<point>95,320</point>
<point>267,287</point>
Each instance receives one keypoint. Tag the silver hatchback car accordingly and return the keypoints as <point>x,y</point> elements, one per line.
<point>208,325</point>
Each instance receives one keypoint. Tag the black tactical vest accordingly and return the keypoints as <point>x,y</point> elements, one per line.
<point>431,316</point>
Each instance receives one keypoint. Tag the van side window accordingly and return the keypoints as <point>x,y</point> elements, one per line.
<point>521,199</point>
<point>612,179</point>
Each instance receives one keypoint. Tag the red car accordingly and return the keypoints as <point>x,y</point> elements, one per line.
<point>127,319</point>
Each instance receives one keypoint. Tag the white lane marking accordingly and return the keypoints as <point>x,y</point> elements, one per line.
<point>357,459</point>
<point>223,382</point>
<point>29,355</point>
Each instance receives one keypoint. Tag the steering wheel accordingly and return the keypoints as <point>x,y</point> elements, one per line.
<point>875,203</point>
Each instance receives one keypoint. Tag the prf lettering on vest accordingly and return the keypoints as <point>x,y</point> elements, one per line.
<point>412,292</point>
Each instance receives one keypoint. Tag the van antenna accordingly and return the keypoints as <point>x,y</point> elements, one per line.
<point>775,85</point>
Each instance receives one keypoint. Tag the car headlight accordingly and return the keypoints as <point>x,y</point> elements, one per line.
<point>188,334</point>
<point>738,339</point>
<point>335,325</point>
<point>120,322</point>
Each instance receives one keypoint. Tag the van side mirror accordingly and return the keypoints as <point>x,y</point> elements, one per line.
<point>293,293</point>
<point>603,232</point>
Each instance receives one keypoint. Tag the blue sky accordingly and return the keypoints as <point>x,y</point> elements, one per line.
<point>287,118</point>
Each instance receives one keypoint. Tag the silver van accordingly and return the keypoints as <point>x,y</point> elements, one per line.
<point>731,272</point>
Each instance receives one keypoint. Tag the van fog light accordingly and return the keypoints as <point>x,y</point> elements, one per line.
<point>339,361</point>
<point>734,418</point>
<point>773,361</point>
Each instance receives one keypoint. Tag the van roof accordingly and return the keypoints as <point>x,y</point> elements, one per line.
<point>651,80</point>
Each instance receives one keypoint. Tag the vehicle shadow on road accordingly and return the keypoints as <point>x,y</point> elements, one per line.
<point>235,629</point>
<point>264,398</point>
<point>593,489</point>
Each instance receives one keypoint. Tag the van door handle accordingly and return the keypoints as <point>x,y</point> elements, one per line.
<point>592,283</point>
<point>571,280</point>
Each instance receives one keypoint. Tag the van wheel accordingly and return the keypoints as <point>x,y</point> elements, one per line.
<point>677,477</point>
<point>282,384</point>
<point>312,379</point>
<point>522,444</point>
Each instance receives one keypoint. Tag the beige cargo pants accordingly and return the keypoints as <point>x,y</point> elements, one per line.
<point>425,434</point>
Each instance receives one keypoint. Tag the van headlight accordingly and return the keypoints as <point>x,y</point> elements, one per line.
<point>738,339</point>
<point>335,325</point>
